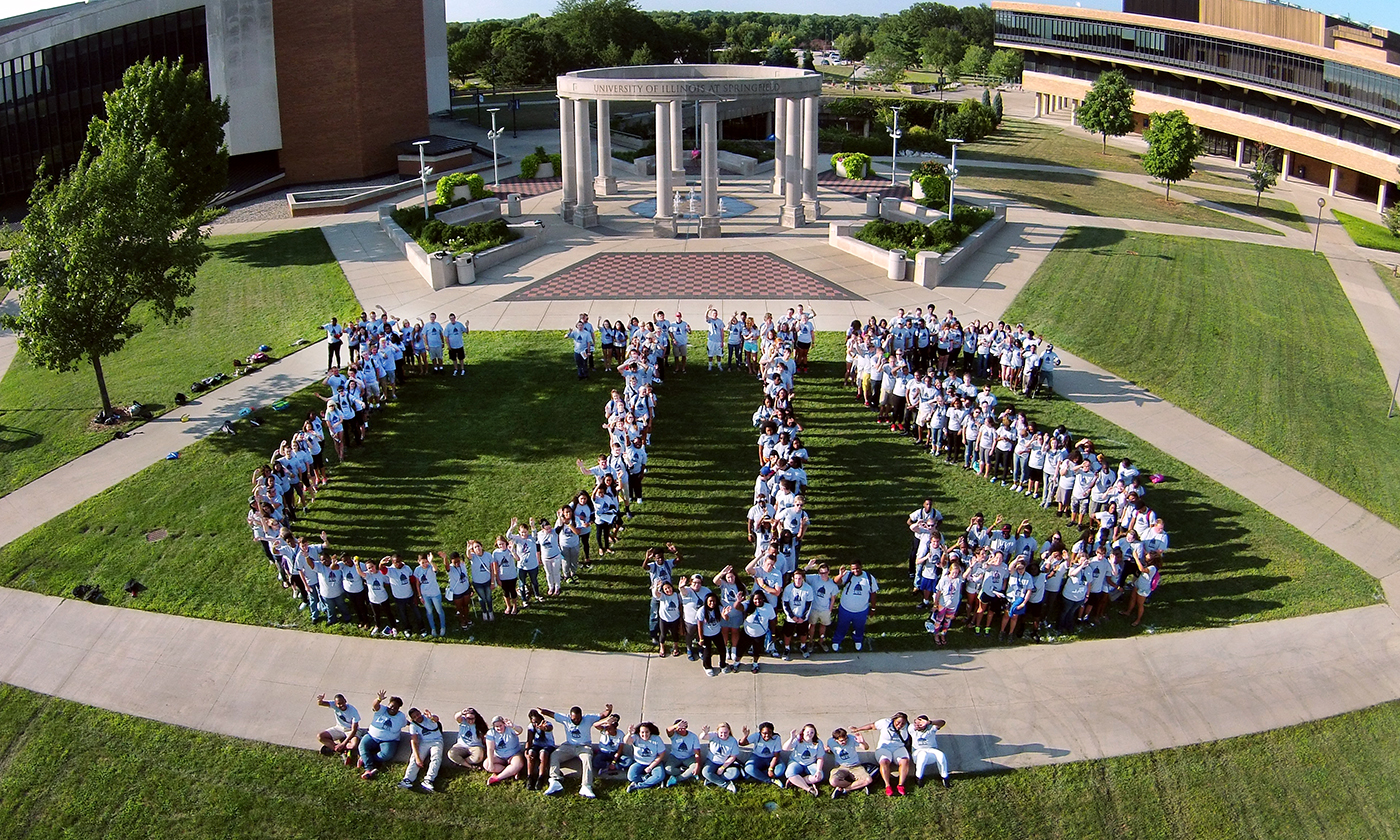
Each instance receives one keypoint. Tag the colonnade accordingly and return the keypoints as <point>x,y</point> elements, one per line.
<point>1046,103</point>
<point>795,132</point>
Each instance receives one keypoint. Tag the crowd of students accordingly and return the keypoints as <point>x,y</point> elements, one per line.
<point>644,754</point>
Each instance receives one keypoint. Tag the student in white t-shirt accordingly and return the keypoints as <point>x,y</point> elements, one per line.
<point>385,727</point>
<point>425,743</point>
<point>806,755</point>
<point>923,736</point>
<point>344,736</point>
<point>891,749</point>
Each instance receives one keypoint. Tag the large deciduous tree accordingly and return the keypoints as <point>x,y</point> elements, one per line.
<point>169,104</point>
<point>101,241</point>
<point>1173,144</point>
<point>1107,108</point>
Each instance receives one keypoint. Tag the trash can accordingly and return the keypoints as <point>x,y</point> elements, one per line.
<point>895,269</point>
<point>513,205</point>
<point>466,269</point>
<point>872,204</point>
<point>442,270</point>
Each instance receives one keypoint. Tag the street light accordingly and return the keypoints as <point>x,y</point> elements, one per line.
<point>952,172</point>
<point>424,170</point>
<point>1321,203</point>
<point>895,134</point>
<point>493,134</point>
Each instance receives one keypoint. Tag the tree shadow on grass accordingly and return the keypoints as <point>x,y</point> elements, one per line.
<point>304,246</point>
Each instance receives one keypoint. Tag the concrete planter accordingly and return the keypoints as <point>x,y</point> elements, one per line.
<point>481,210</point>
<point>546,170</point>
<point>738,164</point>
<point>532,237</point>
<point>927,269</point>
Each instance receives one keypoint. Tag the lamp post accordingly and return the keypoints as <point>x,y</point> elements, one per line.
<point>493,134</point>
<point>952,171</point>
<point>424,170</point>
<point>895,134</point>
<point>1321,203</point>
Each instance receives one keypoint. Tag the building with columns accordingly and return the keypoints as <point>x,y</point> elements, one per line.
<point>1324,91</point>
<point>585,97</point>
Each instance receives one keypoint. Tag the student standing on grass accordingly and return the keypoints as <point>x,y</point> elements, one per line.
<point>714,340</point>
<point>551,556</point>
<point>568,531</point>
<point>527,559</point>
<point>455,331</point>
<point>425,740</point>
<point>583,347</point>
<point>858,589</point>
<point>430,594</point>
<point>680,341</point>
<point>344,735</point>
<point>459,588</point>
<point>385,727</point>
<point>483,580</point>
<point>668,614</point>
<point>335,335</point>
<point>433,336</point>
<point>757,617</point>
<point>402,596</point>
<point>506,574</point>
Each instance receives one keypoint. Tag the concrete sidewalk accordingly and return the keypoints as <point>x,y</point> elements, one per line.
<point>1012,707</point>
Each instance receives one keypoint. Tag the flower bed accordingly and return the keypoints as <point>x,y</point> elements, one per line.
<point>941,236</point>
<point>436,235</point>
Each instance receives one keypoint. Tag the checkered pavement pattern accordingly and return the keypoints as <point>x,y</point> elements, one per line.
<point>530,188</point>
<point>831,181</point>
<point>625,276</point>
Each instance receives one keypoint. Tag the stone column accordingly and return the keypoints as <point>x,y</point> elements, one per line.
<point>663,224</point>
<point>1332,179</point>
<point>810,206</point>
<point>1383,196</point>
<point>792,167</point>
<point>709,162</point>
<point>604,183</point>
<point>586,212</point>
<point>1039,104</point>
<point>779,142</point>
<point>677,142</point>
<point>1287,173</point>
<point>1239,153</point>
<point>566,160</point>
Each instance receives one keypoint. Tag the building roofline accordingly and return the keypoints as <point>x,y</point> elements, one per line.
<point>1209,30</point>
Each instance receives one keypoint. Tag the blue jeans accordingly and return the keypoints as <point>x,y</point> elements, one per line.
<point>336,608</point>
<point>483,600</point>
<point>796,769</point>
<point>581,360</point>
<point>716,776</point>
<point>854,621</point>
<point>374,753</point>
<point>437,619</point>
<point>757,769</point>
<point>315,605</point>
<point>639,775</point>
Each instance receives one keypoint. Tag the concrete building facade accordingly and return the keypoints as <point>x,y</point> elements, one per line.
<point>1323,92</point>
<point>316,91</point>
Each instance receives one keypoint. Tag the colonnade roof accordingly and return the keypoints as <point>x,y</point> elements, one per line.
<point>688,82</point>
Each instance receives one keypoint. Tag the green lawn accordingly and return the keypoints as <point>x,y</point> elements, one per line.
<point>68,770</point>
<point>1273,209</point>
<point>1390,277</point>
<point>1257,340</point>
<point>457,458</point>
<point>1020,141</point>
<point>1090,195</point>
<point>1367,234</point>
<point>270,288</point>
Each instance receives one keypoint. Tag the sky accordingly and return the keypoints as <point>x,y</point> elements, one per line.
<point>1383,13</point>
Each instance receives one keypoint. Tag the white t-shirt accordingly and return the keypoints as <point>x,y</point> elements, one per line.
<point>924,739</point>
<point>580,733</point>
<point>400,581</point>
<point>386,727</point>
<point>756,622</point>
<point>347,718</point>
<point>428,733</point>
<point>427,581</point>
<point>855,594</point>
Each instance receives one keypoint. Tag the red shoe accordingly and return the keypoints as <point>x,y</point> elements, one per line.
<point>493,780</point>
<point>889,791</point>
<point>900,788</point>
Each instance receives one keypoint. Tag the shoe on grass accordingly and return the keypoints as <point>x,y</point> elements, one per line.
<point>553,787</point>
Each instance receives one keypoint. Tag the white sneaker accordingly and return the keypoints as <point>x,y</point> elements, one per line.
<point>554,787</point>
<point>731,787</point>
<point>835,647</point>
<point>587,793</point>
<point>428,786</point>
<point>859,645</point>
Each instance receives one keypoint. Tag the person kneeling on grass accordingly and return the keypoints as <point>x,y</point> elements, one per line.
<point>425,739</point>
<point>344,736</point>
<point>385,726</point>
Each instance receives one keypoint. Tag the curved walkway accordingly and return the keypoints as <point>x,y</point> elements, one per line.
<point>1089,699</point>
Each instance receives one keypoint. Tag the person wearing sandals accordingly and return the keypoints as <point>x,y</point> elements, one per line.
<point>721,768</point>
<point>806,754</point>
<point>469,752</point>
<point>765,764</point>
<point>425,741</point>
<point>504,752</point>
